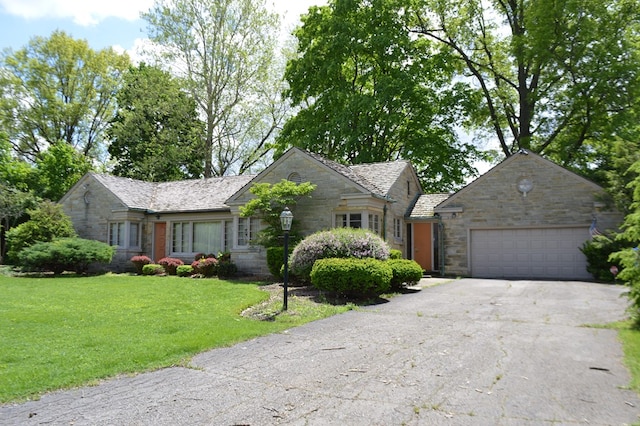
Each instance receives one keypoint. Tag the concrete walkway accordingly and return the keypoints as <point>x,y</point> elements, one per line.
<point>468,352</point>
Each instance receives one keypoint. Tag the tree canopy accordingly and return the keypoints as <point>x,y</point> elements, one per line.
<point>58,89</point>
<point>369,91</point>
<point>225,51</point>
<point>553,75</point>
<point>156,134</point>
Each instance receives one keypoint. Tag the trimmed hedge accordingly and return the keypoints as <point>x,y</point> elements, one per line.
<point>184,270</point>
<point>65,254</point>
<point>405,272</point>
<point>352,277</point>
<point>227,269</point>
<point>152,269</point>
<point>336,243</point>
<point>395,254</point>
<point>275,260</point>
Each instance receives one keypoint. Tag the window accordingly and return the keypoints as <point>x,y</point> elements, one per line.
<point>181,237</point>
<point>198,237</point>
<point>397,229</point>
<point>351,220</point>
<point>248,228</point>
<point>207,237</point>
<point>374,223</point>
<point>124,234</point>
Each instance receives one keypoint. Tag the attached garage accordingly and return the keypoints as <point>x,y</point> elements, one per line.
<point>529,253</point>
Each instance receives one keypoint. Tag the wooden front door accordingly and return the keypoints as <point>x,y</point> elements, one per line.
<point>159,240</point>
<point>423,245</point>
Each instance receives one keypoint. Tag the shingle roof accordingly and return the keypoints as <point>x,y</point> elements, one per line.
<point>375,177</point>
<point>426,204</point>
<point>187,195</point>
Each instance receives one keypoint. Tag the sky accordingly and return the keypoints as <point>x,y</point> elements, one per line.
<point>102,23</point>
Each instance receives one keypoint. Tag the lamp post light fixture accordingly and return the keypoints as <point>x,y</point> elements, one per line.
<point>286,218</point>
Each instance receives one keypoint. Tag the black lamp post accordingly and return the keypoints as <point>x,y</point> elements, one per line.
<point>286,218</point>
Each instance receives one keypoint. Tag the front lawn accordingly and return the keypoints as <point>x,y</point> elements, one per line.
<point>69,331</point>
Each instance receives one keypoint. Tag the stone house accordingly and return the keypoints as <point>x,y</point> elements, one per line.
<point>525,218</point>
<point>181,219</point>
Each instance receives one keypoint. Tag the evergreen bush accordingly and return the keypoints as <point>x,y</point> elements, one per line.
<point>65,254</point>
<point>395,254</point>
<point>597,251</point>
<point>184,271</point>
<point>405,272</point>
<point>152,269</point>
<point>352,277</point>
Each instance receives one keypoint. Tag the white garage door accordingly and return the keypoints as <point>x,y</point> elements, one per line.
<point>529,253</point>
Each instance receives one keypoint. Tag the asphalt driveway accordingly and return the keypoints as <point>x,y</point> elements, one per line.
<point>468,352</point>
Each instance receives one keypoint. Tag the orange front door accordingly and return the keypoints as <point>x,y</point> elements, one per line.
<point>423,245</point>
<point>159,240</point>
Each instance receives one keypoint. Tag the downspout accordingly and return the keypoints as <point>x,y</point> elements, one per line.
<point>384,222</point>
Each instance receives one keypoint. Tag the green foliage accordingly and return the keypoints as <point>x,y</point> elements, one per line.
<point>275,260</point>
<point>544,69</point>
<point>58,169</point>
<point>184,270</point>
<point>395,254</point>
<point>629,258</point>
<point>269,202</point>
<point>227,269</point>
<point>58,89</point>
<point>336,243</point>
<point>226,50</point>
<point>352,277</point>
<point>370,91</point>
<point>46,222</point>
<point>405,272</point>
<point>170,264</point>
<point>152,269</point>
<point>598,251</point>
<point>65,254</point>
<point>156,135</point>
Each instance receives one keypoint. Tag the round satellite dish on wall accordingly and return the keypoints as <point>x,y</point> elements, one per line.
<point>525,186</point>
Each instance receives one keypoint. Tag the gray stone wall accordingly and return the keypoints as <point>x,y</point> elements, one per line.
<point>558,198</point>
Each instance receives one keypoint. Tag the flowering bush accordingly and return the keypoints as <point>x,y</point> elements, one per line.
<point>170,264</point>
<point>336,243</point>
<point>139,262</point>
<point>207,266</point>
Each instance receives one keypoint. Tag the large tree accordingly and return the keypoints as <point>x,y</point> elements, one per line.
<point>58,89</point>
<point>552,74</point>
<point>225,50</point>
<point>156,135</point>
<point>368,91</point>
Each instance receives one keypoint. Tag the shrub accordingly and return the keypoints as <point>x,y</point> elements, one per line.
<point>405,272</point>
<point>275,260</point>
<point>65,254</point>
<point>336,243</point>
<point>207,266</point>
<point>184,270</point>
<point>352,277</point>
<point>139,262</point>
<point>170,264</point>
<point>227,269</point>
<point>46,223</point>
<point>597,251</point>
<point>152,269</point>
<point>395,254</point>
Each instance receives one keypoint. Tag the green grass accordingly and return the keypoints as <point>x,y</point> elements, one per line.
<point>70,331</point>
<point>630,338</point>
